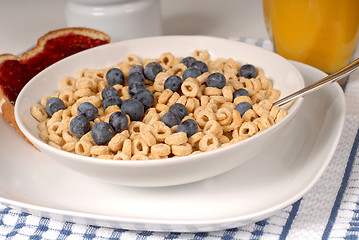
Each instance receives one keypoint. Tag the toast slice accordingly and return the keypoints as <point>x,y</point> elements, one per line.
<point>16,71</point>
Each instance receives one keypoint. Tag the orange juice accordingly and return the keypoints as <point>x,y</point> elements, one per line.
<point>321,33</point>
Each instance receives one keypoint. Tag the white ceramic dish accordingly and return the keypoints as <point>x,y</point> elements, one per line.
<point>32,182</point>
<point>163,172</point>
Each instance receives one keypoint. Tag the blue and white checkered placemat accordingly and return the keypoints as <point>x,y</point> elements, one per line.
<point>329,211</point>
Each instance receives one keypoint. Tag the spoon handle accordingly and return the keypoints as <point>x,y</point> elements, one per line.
<point>341,73</point>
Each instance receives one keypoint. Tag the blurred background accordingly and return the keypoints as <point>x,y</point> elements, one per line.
<point>22,22</point>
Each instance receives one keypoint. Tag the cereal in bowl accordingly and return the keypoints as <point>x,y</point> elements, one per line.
<point>158,108</point>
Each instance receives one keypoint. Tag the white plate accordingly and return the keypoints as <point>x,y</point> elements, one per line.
<point>34,183</point>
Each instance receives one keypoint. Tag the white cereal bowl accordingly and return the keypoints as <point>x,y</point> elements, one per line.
<point>161,172</point>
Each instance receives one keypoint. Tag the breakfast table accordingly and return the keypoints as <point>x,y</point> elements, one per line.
<point>327,207</point>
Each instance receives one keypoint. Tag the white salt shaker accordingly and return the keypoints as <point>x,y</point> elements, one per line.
<point>120,19</point>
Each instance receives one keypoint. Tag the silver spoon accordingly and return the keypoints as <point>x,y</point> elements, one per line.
<point>340,74</point>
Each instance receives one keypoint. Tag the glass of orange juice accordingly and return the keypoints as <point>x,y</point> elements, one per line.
<point>320,33</point>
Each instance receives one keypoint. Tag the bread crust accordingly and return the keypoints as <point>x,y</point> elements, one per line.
<point>6,106</point>
<point>41,42</point>
<point>7,111</point>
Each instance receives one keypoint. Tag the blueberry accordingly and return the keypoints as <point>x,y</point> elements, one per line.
<point>102,133</point>
<point>202,66</point>
<point>113,100</point>
<point>79,126</point>
<point>217,80</point>
<point>88,110</point>
<point>136,68</point>
<point>109,91</point>
<point>179,109</point>
<point>135,77</point>
<point>243,107</point>
<point>191,72</point>
<point>53,105</point>
<point>152,69</point>
<point>173,83</point>
<point>189,126</point>
<point>115,76</point>
<point>135,87</point>
<point>136,83</point>
<point>145,97</point>
<point>170,119</point>
<point>188,61</point>
<point>133,108</point>
<point>247,71</point>
<point>240,92</point>
<point>118,121</point>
